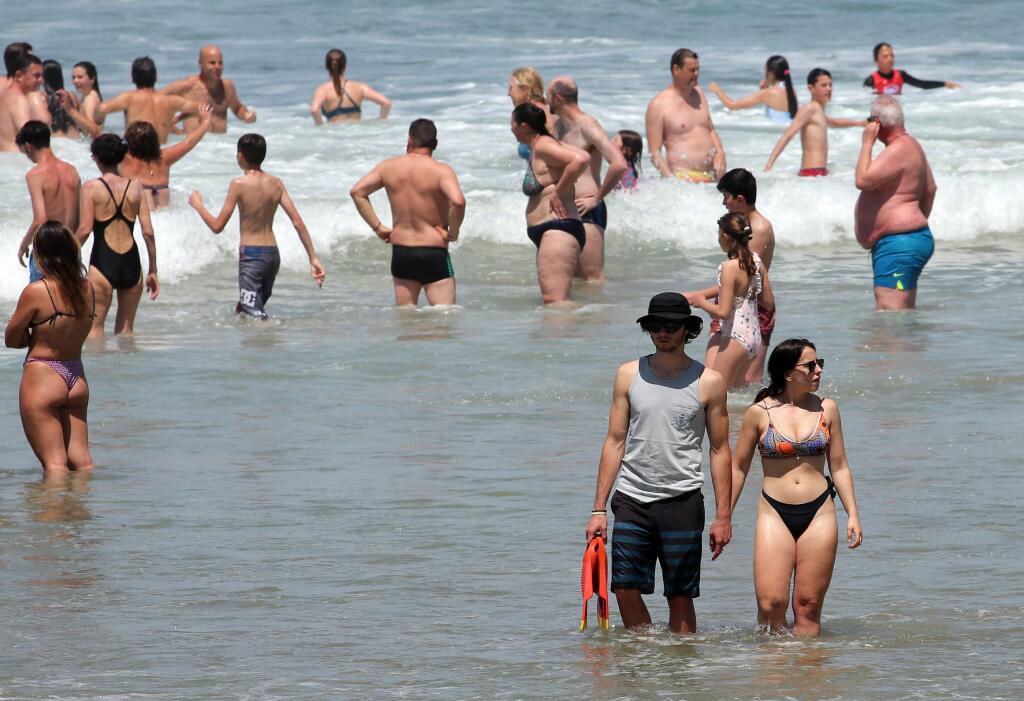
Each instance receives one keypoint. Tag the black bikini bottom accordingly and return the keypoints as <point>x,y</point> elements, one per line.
<point>798,517</point>
<point>573,227</point>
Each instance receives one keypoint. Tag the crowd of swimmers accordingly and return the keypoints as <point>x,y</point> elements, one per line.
<point>572,165</point>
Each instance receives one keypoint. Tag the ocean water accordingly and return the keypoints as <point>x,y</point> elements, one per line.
<point>352,501</point>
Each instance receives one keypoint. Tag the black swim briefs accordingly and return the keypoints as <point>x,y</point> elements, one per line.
<point>598,215</point>
<point>424,264</point>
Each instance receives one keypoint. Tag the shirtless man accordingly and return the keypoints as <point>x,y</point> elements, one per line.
<point>678,119</point>
<point>208,87</point>
<point>577,128</point>
<point>812,123</point>
<point>144,104</point>
<point>427,209</point>
<point>891,217</point>
<point>258,195</point>
<point>12,52</point>
<point>53,187</point>
<point>21,100</point>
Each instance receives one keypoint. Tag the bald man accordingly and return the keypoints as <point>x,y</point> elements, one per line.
<point>210,88</point>
<point>577,128</point>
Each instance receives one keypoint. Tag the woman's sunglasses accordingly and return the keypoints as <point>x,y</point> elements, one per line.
<point>809,365</point>
<point>657,326</point>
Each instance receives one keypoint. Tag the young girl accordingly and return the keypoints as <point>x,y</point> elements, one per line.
<point>87,83</point>
<point>632,146</point>
<point>775,92</point>
<point>742,280</point>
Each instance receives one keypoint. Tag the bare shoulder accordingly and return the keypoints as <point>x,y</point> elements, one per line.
<point>828,406</point>
<point>711,383</point>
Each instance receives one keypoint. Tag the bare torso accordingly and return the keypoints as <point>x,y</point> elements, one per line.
<point>259,196</point>
<point>896,205</point>
<point>571,131</point>
<point>218,94</point>
<point>686,124</point>
<point>538,208</point>
<point>814,138</point>
<point>419,207</point>
<point>62,338</point>
<point>762,239</point>
<point>14,112</point>
<point>60,185</point>
<point>152,175</point>
<point>150,106</point>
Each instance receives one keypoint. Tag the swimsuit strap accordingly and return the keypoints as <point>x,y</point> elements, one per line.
<point>112,198</point>
<point>123,198</point>
<point>50,295</point>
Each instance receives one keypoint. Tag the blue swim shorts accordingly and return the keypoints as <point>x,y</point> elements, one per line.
<point>898,259</point>
<point>34,273</point>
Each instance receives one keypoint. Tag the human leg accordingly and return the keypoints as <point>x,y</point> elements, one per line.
<point>731,362</point>
<point>897,261</point>
<point>815,561</point>
<point>104,297</point>
<point>441,292</point>
<point>556,263</point>
<point>632,608</point>
<point>680,523</point>
<point>41,400</point>
<point>634,553</point>
<point>77,427</point>
<point>127,306</point>
<point>591,262</point>
<point>407,292</point>
<point>774,562</point>
<point>682,618</point>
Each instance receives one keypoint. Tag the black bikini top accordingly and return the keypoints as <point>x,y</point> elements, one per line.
<point>56,312</point>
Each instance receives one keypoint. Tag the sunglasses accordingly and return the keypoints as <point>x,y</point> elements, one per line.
<point>668,326</point>
<point>809,365</point>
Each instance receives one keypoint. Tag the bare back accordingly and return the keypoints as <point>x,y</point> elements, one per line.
<point>896,206</point>
<point>58,337</point>
<point>762,238</point>
<point>814,138</point>
<point>575,133</point>
<point>155,108</point>
<point>60,185</point>
<point>419,206</point>
<point>685,127</point>
<point>259,196</point>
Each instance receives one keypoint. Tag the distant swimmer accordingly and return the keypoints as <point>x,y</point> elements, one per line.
<point>577,128</point>
<point>631,144</point>
<point>743,286</point>
<point>150,165</point>
<point>53,319</point>
<point>87,83</point>
<point>61,123</point>
<point>110,206</point>
<point>427,209</point>
<point>650,465</point>
<point>678,120</point>
<point>552,219</point>
<point>340,99</point>
<point>209,87</point>
<point>525,85</point>
<point>53,188</point>
<point>890,81</point>
<point>813,124</point>
<point>21,100</point>
<point>795,538</point>
<point>891,218</point>
<point>257,195</point>
<point>739,194</point>
<point>775,92</point>
<point>144,104</point>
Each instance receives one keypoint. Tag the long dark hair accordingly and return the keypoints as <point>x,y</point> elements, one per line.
<point>53,80</point>
<point>783,359</point>
<point>737,230</point>
<point>779,67</point>
<point>58,255</point>
<point>335,62</point>
<point>533,117</point>
<point>632,148</point>
<point>143,142</point>
<point>90,70</point>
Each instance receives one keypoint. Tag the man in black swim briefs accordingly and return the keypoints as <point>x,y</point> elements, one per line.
<point>427,209</point>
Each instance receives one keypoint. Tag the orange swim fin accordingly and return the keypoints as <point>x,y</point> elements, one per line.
<point>594,579</point>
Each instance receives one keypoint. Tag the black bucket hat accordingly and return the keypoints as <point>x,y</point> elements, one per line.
<point>672,306</point>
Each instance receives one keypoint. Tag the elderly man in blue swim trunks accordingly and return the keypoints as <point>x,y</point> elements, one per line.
<point>891,217</point>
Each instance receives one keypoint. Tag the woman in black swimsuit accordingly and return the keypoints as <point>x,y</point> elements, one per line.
<point>552,221</point>
<point>110,206</point>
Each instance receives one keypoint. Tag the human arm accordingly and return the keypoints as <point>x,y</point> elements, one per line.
<point>617,165</point>
<point>17,334</point>
<point>152,282</point>
<point>456,203</point>
<point>316,270</point>
<point>873,174</point>
<point>235,103</point>
<point>374,96</point>
<point>35,192</point>
<point>38,107</point>
<point>840,123</point>
<point>571,160</point>
<point>316,104</point>
<point>706,293</point>
<point>842,477</point>
<point>798,123</point>
<point>90,106</point>
<point>217,223</point>
<point>716,412</point>
<point>722,309</point>
<point>745,444</point>
<point>869,82</point>
<point>613,450</point>
<point>85,214</point>
<point>927,84</point>
<point>767,297</point>
<point>718,160</point>
<point>655,127</point>
<point>173,154</point>
<point>928,199</point>
<point>751,100</point>
<point>360,193</point>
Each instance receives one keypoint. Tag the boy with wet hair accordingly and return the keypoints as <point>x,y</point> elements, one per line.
<point>257,195</point>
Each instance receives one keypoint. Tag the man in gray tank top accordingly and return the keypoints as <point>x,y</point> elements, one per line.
<point>661,406</point>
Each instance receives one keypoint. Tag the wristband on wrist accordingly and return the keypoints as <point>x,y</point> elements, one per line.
<point>598,512</point>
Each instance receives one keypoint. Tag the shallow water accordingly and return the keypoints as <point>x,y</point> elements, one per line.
<point>352,501</point>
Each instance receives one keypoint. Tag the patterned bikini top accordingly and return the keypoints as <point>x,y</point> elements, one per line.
<point>775,445</point>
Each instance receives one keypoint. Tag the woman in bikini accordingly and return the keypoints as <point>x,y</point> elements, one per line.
<point>742,281</point>
<point>796,537</point>
<point>340,100</point>
<point>52,320</point>
<point>552,221</point>
<point>149,165</point>
<point>110,206</point>
<point>775,92</point>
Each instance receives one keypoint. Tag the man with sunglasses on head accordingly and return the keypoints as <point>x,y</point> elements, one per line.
<point>661,406</point>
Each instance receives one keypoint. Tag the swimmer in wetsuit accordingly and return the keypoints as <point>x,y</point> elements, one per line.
<point>340,100</point>
<point>797,433</point>
<point>890,81</point>
<point>427,209</point>
<point>150,165</point>
<point>552,219</point>
<point>111,204</point>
